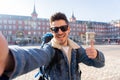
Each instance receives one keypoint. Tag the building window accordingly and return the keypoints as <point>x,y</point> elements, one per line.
<point>25,22</point>
<point>19,27</point>
<point>34,33</point>
<point>4,21</point>
<point>14,27</point>
<point>14,21</point>
<point>5,27</point>
<point>26,28</point>
<point>29,33</point>
<point>9,21</point>
<point>39,28</point>
<point>10,27</point>
<point>19,22</point>
<point>39,23</point>
<point>39,33</point>
<point>48,28</point>
<point>43,28</point>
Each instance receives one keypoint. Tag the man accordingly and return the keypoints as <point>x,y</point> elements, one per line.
<point>61,55</point>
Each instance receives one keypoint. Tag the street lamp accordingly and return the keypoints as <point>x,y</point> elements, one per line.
<point>87,27</point>
<point>90,35</point>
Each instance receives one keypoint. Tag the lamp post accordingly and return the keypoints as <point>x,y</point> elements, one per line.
<point>87,25</point>
<point>90,35</point>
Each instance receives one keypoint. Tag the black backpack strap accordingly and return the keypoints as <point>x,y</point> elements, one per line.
<point>77,57</point>
<point>45,70</point>
<point>52,62</point>
<point>4,77</point>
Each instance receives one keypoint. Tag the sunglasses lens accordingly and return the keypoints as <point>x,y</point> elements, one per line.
<point>55,29</point>
<point>64,28</point>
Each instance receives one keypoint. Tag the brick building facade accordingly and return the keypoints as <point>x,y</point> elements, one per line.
<point>30,29</point>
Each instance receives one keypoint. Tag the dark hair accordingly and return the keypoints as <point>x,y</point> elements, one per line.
<point>58,16</point>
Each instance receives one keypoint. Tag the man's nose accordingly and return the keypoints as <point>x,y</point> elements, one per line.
<point>60,31</point>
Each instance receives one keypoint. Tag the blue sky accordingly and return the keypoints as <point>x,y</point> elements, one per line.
<point>93,10</point>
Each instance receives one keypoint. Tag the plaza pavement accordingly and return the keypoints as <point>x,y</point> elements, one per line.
<point>111,70</point>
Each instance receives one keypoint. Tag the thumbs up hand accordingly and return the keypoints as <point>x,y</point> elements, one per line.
<point>91,51</point>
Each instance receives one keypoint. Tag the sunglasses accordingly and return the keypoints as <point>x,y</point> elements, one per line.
<point>62,28</point>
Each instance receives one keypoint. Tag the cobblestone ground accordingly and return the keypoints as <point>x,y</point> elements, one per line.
<point>111,70</point>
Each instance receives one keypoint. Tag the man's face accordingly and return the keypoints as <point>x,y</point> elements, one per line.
<point>60,30</point>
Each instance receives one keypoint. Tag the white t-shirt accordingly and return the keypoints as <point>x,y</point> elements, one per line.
<point>66,51</point>
<point>65,48</point>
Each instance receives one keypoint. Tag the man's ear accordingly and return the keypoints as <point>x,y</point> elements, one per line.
<point>69,29</point>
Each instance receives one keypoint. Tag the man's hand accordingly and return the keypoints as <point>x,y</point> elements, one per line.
<point>91,51</point>
<point>3,53</point>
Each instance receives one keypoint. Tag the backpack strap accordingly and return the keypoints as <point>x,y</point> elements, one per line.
<point>4,77</point>
<point>52,62</point>
<point>45,70</point>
